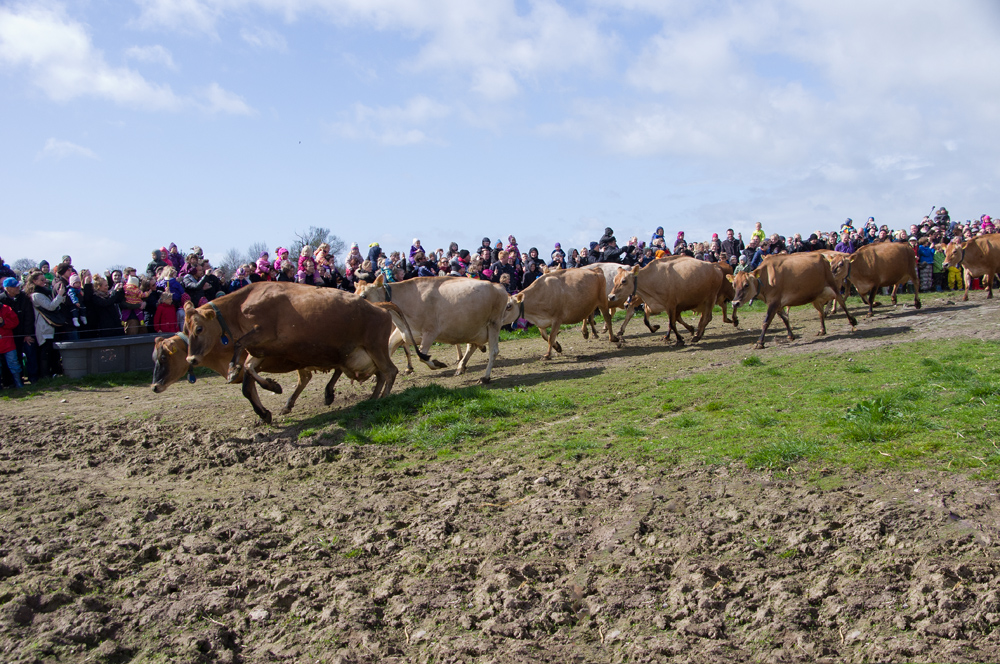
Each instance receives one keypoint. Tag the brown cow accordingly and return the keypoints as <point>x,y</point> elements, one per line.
<point>789,281</point>
<point>672,284</point>
<point>979,257</point>
<point>449,310</point>
<point>884,264</point>
<point>295,327</point>
<point>562,297</point>
<point>610,270</point>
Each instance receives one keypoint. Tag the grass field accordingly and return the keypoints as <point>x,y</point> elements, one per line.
<point>893,407</point>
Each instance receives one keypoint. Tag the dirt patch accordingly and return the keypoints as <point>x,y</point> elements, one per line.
<point>135,527</point>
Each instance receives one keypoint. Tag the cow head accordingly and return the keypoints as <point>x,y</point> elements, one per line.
<point>169,362</point>
<point>954,253</point>
<point>625,284</point>
<point>513,309</point>
<point>203,331</point>
<point>839,263</point>
<point>374,292</point>
<point>745,288</point>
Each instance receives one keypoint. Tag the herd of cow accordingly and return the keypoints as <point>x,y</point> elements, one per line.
<point>272,327</point>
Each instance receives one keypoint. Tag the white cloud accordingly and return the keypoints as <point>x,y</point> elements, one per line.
<point>63,63</point>
<point>155,54</point>
<point>263,39</point>
<point>491,42</point>
<point>223,101</point>
<point>56,149</point>
<point>395,125</point>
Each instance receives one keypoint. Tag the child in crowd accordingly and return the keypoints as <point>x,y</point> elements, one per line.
<point>132,308</point>
<point>75,294</point>
<point>758,232</point>
<point>165,319</point>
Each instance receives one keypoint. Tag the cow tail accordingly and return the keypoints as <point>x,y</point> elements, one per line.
<point>393,309</point>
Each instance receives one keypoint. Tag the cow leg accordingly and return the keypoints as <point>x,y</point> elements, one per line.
<point>967,278</point>
<point>645,319</point>
<point>782,313</point>
<point>304,378</point>
<point>330,390</point>
<point>842,300</point>
<point>494,344</point>
<point>396,340</point>
<point>871,301</point>
<point>989,285</point>
<point>463,362</point>
<point>821,308</point>
<point>629,312</point>
<point>551,339</point>
<point>689,328</point>
<point>250,392</point>
<point>706,318</point>
<point>268,384</point>
<point>586,332</point>
<point>771,311</point>
<point>674,315</point>
<point>607,321</point>
<point>725,308</point>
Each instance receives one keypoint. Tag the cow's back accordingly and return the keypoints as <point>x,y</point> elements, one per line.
<point>982,254</point>
<point>455,310</point>
<point>682,282</point>
<point>568,296</point>
<point>883,264</point>
<point>795,279</point>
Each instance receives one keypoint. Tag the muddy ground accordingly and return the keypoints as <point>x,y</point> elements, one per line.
<point>137,527</point>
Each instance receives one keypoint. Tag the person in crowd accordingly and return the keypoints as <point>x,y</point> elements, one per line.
<point>374,253</point>
<point>845,245</point>
<point>46,302</point>
<point>6,271</point>
<point>105,305</point>
<point>514,252</point>
<point>763,250</point>
<point>925,264</point>
<point>262,271</point>
<point>24,332</point>
<point>733,245</point>
<point>657,235</point>
<point>156,263</point>
<point>532,271</point>
<point>8,349</point>
<point>286,273</point>
<point>74,293</point>
<point>743,265</point>
<point>425,266</point>
<point>132,308</point>
<point>280,256</point>
<point>43,267</point>
<point>165,318</point>
<point>309,275</point>
<point>758,232</point>
<point>174,256</point>
<point>365,273</point>
<point>558,261</point>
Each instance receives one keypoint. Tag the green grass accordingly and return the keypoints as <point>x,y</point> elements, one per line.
<point>931,404</point>
<point>439,418</point>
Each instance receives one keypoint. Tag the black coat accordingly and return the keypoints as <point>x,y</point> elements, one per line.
<point>104,317</point>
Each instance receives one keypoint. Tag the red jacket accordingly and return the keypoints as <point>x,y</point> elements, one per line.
<point>10,321</point>
<point>165,319</point>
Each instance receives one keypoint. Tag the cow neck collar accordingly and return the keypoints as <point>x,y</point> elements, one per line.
<point>635,287</point>
<point>388,291</point>
<point>961,257</point>
<point>226,332</point>
<point>520,309</point>
<point>190,374</point>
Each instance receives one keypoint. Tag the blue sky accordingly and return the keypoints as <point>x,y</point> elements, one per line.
<point>131,124</point>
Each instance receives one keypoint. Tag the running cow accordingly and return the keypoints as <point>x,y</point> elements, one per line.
<point>562,297</point>
<point>672,284</point>
<point>293,327</point>
<point>449,310</point>
<point>789,281</point>
<point>979,257</point>
<point>885,264</point>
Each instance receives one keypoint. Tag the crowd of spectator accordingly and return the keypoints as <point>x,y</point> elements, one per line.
<point>44,305</point>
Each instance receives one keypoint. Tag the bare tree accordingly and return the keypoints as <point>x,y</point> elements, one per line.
<point>22,265</point>
<point>255,250</point>
<point>315,236</point>
<point>233,259</point>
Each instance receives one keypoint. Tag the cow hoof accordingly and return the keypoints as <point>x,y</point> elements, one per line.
<point>484,380</point>
<point>438,364</point>
<point>791,337</point>
<point>546,357</point>
<point>917,304</point>
<point>273,386</point>
<point>328,400</point>
<point>285,411</point>
<point>558,348</point>
<point>407,371</point>
<point>266,417</point>
<point>759,346</point>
